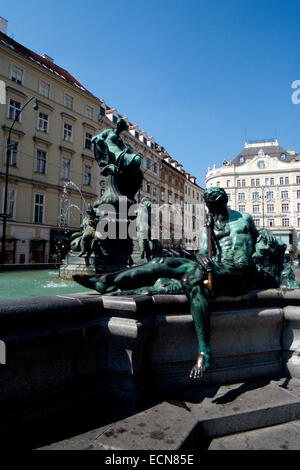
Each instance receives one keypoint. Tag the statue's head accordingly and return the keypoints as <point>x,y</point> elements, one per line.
<point>90,209</point>
<point>215,197</point>
<point>122,126</point>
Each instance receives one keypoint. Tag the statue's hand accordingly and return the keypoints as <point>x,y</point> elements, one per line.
<point>199,367</point>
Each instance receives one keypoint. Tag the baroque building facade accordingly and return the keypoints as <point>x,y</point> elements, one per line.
<point>50,147</point>
<point>264,180</point>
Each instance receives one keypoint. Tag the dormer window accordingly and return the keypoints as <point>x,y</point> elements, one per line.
<point>242,159</point>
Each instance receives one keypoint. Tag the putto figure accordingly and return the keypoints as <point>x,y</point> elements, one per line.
<point>236,265</point>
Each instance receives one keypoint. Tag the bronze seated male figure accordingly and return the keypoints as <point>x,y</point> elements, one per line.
<point>241,258</point>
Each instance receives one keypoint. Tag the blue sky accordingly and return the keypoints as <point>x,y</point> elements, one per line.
<point>199,76</point>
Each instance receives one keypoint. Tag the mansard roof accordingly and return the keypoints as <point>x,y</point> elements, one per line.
<point>251,151</point>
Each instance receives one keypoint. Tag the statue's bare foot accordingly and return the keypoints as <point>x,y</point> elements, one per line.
<point>199,367</point>
<point>87,280</point>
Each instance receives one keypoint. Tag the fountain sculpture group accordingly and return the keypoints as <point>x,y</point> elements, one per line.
<point>234,257</point>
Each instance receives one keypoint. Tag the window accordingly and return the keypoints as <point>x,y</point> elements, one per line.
<point>115,119</point>
<point>257,182</point>
<point>241,196</point>
<point>269,195</point>
<point>87,175</point>
<point>284,207</point>
<point>89,112</point>
<point>68,101</point>
<point>155,167</point>
<point>286,180</point>
<point>43,122</point>
<point>41,157</point>
<point>298,193</point>
<point>297,179</point>
<point>285,222</point>
<point>242,208</point>
<point>102,111</point>
<point>88,141</point>
<point>238,182</point>
<point>67,132</point>
<point>152,145</point>
<point>255,196</point>
<point>271,222</point>
<point>267,181</point>
<point>243,182</point>
<point>271,181</point>
<point>282,156</point>
<point>162,194</point>
<point>145,140</point>
<point>242,159</point>
<point>44,89</point>
<point>227,183</point>
<point>270,208</point>
<point>252,182</point>
<point>148,163</point>
<point>11,202</point>
<point>255,208</point>
<point>14,110</point>
<point>12,153</point>
<point>298,222</point>
<point>137,135</point>
<point>261,164</point>
<point>65,168</point>
<point>17,74</point>
<point>256,222</point>
<point>298,207</point>
<point>39,202</point>
<point>284,194</point>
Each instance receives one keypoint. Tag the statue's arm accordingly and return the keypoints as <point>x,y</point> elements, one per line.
<point>102,136</point>
<point>252,228</point>
<point>203,245</point>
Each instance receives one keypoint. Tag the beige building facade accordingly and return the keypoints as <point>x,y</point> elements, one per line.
<point>52,170</point>
<point>264,180</point>
<point>194,213</point>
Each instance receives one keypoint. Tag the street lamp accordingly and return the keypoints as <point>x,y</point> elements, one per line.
<point>5,215</point>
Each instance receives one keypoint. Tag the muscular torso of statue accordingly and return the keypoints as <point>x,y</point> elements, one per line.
<point>235,239</point>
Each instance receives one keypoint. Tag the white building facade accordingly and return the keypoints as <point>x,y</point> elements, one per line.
<point>264,180</point>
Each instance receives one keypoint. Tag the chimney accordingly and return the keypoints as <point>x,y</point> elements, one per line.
<point>45,56</point>
<point>3,25</point>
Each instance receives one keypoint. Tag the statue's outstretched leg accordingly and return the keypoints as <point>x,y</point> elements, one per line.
<point>192,284</point>
<point>139,276</point>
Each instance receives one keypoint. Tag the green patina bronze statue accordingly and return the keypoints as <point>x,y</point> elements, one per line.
<point>234,257</point>
<point>117,159</point>
<point>84,240</point>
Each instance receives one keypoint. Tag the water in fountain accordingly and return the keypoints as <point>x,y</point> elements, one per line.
<point>66,198</point>
<point>35,283</point>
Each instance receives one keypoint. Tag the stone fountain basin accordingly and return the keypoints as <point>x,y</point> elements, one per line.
<point>68,349</point>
